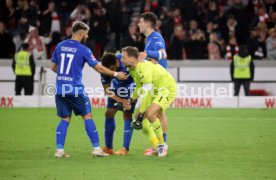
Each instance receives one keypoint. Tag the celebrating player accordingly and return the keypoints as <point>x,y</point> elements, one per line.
<point>68,60</point>
<point>118,92</point>
<point>158,92</point>
<point>155,50</point>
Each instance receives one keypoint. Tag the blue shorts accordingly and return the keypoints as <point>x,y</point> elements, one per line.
<point>116,88</point>
<point>65,105</point>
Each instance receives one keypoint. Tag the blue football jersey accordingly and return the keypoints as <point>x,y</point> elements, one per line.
<point>120,83</point>
<point>155,42</point>
<point>70,57</point>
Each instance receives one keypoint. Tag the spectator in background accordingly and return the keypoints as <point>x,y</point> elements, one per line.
<point>214,47</point>
<point>256,44</point>
<point>176,17</point>
<point>50,20</point>
<point>232,48</point>
<point>24,68</point>
<point>98,32</point>
<point>56,38</point>
<point>210,28</point>
<point>272,22</point>
<point>9,16</point>
<point>133,38</point>
<point>196,47</point>
<point>231,29</point>
<point>37,44</point>
<point>193,25</point>
<point>271,45</point>
<point>212,12</point>
<point>78,14</point>
<point>177,50</point>
<point>167,27</point>
<point>7,47</point>
<point>21,32</point>
<point>242,71</point>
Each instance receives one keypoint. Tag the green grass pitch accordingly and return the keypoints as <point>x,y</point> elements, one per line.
<point>203,144</point>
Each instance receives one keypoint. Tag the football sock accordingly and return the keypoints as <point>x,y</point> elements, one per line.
<point>165,137</point>
<point>61,132</point>
<point>109,131</point>
<point>127,133</point>
<point>156,125</point>
<point>148,131</point>
<point>92,132</point>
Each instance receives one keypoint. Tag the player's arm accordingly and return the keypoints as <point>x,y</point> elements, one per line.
<point>111,94</point>
<point>54,61</point>
<point>103,70</point>
<point>146,88</point>
<point>54,67</point>
<point>158,53</point>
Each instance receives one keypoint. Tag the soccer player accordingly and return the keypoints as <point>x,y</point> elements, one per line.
<point>158,92</point>
<point>155,51</point>
<point>118,92</point>
<point>68,60</point>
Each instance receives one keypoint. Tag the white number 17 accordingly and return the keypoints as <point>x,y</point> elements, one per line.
<point>71,57</point>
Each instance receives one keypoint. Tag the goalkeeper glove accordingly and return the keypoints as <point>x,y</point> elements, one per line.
<point>137,124</point>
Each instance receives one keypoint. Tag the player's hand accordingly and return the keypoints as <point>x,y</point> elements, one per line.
<point>126,104</point>
<point>121,76</point>
<point>142,55</point>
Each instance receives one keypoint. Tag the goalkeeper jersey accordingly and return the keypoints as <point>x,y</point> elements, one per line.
<point>147,72</point>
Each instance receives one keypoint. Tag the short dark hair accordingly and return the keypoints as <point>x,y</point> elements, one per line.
<point>108,59</point>
<point>78,25</point>
<point>131,51</point>
<point>25,46</point>
<point>150,17</point>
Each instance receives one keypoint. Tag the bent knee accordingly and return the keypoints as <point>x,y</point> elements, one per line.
<point>110,113</point>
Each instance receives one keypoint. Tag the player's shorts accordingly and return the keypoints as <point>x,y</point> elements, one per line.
<point>65,105</point>
<point>165,96</point>
<point>123,92</point>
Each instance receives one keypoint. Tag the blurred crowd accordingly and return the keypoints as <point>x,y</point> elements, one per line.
<point>192,29</point>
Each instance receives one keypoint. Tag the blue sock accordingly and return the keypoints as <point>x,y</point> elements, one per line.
<point>109,131</point>
<point>127,133</point>
<point>165,137</point>
<point>92,132</point>
<point>61,132</point>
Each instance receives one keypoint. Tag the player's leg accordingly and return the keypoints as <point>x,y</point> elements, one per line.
<point>109,129</point>
<point>81,106</point>
<point>152,113</point>
<point>64,112</point>
<point>127,133</point>
<point>163,118</point>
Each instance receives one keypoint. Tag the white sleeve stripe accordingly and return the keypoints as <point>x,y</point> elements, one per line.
<point>160,55</point>
<point>147,87</point>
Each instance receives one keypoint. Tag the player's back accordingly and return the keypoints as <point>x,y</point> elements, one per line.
<point>155,42</point>
<point>70,56</point>
<point>147,71</point>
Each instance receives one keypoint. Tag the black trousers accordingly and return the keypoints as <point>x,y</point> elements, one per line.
<point>241,82</point>
<point>26,83</point>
